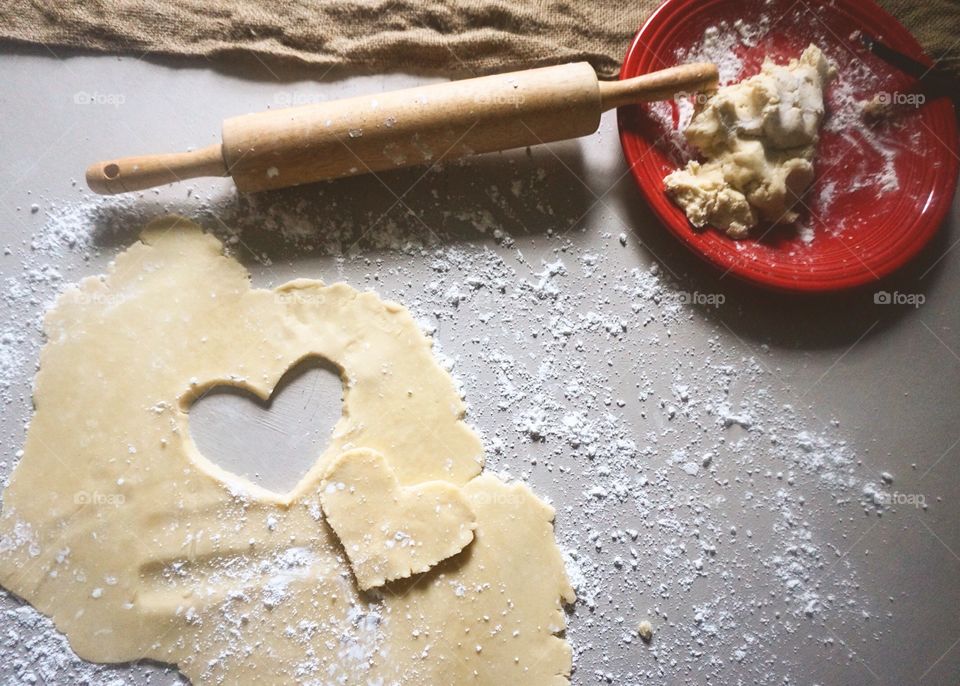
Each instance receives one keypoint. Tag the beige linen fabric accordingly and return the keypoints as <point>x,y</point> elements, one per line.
<point>457,37</point>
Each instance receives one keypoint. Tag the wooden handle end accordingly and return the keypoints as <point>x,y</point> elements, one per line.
<point>148,171</point>
<point>659,85</point>
<point>102,178</point>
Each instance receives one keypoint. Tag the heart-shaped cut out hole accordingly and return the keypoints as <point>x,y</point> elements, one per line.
<point>270,443</point>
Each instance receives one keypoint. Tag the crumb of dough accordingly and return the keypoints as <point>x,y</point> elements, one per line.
<point>879,108</point>
<point>645,631</point>
<point>758,139</point>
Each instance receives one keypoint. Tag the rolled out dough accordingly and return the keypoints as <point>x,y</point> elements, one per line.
<point>388,531</point>
<point>116,527</point>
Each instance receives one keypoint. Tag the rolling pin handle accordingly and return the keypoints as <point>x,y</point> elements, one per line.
<point>147,171</point>
<point>659,85</point>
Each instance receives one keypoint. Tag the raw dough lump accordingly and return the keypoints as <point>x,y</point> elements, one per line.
<point>116,527</point>
<point>758,139</point>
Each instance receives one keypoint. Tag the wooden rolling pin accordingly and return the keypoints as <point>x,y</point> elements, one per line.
<point>403,128</point>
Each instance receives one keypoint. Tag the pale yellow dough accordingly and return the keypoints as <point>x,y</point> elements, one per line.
<point>388,531</point>
<point>137,547</point>
<point>758,138</point>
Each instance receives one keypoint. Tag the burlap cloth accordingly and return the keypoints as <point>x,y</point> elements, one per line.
<point>455,36</point>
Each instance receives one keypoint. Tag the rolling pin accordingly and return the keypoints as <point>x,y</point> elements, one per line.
<point>415,126</point>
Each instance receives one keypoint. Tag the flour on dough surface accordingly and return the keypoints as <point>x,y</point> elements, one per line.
<point>165,556</point>
<point>389,532</point>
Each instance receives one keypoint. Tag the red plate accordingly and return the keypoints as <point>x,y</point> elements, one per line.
<point>880,195</point>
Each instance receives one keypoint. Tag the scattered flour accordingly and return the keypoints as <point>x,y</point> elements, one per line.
<point>684,491</point>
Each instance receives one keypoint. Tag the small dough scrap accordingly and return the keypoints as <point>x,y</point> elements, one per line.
<point>758,138</point>
<point>390,532</point>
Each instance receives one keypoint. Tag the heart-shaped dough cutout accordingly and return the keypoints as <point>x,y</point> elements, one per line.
<point>391,531</point>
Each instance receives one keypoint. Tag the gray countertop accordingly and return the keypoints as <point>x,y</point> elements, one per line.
<point>708,463</point>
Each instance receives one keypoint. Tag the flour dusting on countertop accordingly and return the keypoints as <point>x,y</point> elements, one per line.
<point>684,488</point>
